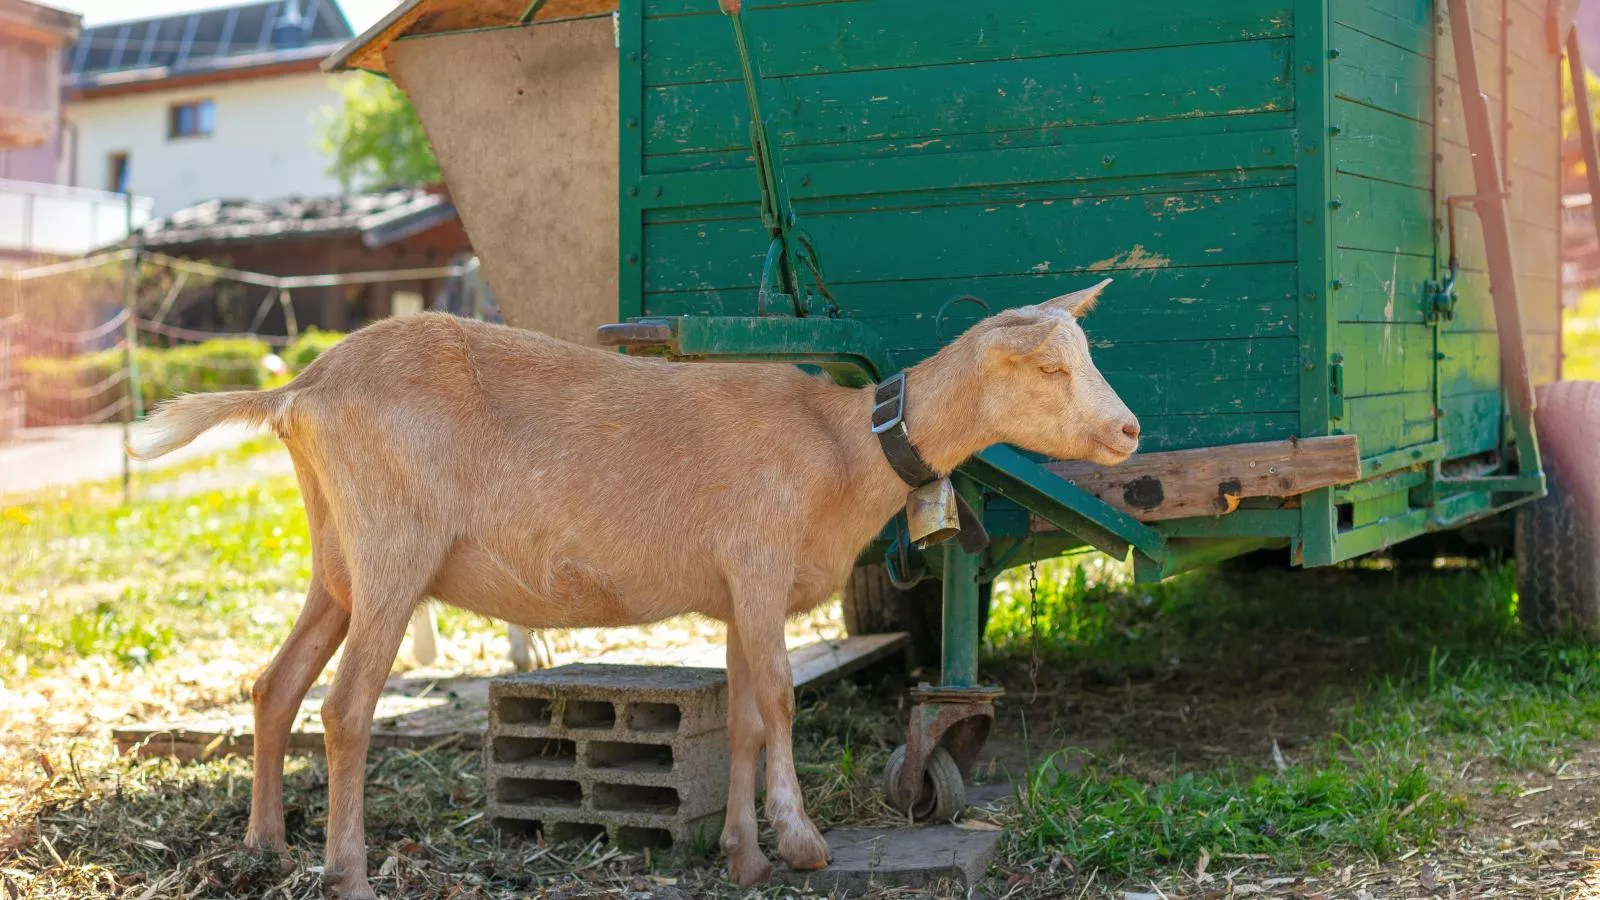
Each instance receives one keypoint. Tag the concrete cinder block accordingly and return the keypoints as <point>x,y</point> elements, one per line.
<point>639,753</point>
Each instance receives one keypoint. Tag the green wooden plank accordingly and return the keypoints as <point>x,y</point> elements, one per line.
<point>1390,422</point>
<point>1471,363</point>
<point>1088,234</point>
<point>826,38</point>
<point>1381,287</point>
<point>1161,433</point>
<point>1153,153</point>
<point>630,156</point>
<point>1381,145</point>
<point>1385,358</point>
<point>1386,533</point>
<point>1201,303</point>
<point>1008,95</point>
<point>1198,130</point>
<point>1377,509</point>
<point>1380,74</point>
<point>1404,23</point>
<point>1377,215</point>
<point>1536,251</point>
<point>1471,423</point>
<point>1381,486</point>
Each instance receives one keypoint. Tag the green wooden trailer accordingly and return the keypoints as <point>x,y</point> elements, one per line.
<point>1333,227</point>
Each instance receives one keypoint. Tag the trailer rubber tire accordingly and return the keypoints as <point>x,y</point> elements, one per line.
<point>1558,537</point>
<point>873,605</point>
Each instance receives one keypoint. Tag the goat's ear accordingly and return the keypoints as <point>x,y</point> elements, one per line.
<point>1025,339</point>
<point>1078,303</point>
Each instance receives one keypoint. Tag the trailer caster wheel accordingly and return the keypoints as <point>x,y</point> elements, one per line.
<point>943,793</point>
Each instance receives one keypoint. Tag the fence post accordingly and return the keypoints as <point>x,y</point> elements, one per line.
<point>130,342</point>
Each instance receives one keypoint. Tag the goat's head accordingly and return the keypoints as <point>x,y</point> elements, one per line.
<point>1042,392</point>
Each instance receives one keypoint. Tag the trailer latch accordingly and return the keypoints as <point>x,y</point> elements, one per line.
<point>1336,387</point>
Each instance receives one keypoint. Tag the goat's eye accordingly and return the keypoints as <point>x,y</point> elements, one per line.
<point>1053,370</point>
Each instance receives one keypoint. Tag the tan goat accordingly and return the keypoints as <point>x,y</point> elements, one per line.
<point>557,486</point>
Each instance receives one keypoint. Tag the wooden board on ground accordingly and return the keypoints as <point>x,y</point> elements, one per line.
<point>1211,481</point>
<point>424,713</point>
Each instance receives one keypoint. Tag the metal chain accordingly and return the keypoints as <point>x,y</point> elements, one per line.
<point>1033,622</point>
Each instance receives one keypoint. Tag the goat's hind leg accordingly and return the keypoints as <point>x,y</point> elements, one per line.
<point>389,574</point>
<point>277,695</point>
<point>741,843</point>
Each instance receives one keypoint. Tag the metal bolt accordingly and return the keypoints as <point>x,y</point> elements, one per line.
<point>1333,54</point>
<point>1334,130</point>
<point>1309,366</point>
<point>633,258</point>
<point>1336,284</point>
<point>1311,148</point>
<point>1335,204</point>
<point>633,56</point>
<point>633,123</point>
<point>1107,160</point>
<point>633,191</point>
<point>1309,68</point>
<point>1310,217</point>
<point>805,180</point>
<point>659,191</point>
<point>1310,296</point>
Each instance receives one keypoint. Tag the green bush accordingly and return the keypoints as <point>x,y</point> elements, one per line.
<point>89,387</point>
<point>307,347</point>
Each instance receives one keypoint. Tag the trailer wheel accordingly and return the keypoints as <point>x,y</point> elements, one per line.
<point>873,605</point>
<point>1558,537</point>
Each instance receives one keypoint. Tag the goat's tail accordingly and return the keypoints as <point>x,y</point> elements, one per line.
<point>182,419</point>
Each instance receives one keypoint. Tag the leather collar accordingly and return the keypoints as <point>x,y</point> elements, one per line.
<point>889,424</point>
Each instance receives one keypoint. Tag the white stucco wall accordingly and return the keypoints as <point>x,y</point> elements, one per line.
<point>264,145</point>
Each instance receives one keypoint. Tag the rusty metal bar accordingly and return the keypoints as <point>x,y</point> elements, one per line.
<point>1491,208</point>
<point>1580,101</point>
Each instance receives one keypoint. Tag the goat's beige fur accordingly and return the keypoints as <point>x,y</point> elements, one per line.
<point>552,485</point>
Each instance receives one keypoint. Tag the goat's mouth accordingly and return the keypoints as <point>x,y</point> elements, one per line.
<point>1114,454</point>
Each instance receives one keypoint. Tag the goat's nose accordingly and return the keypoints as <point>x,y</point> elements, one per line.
<point>1131,429</point>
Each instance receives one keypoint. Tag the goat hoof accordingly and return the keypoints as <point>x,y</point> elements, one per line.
<point>745,871</point>
<point>804,849</point>
<point>338,885</point>
<point>265,843</point>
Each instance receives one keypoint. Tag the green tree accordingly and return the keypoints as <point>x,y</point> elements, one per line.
<point>376,139</point>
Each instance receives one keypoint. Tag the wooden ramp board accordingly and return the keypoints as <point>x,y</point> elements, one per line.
<point>431,713</point>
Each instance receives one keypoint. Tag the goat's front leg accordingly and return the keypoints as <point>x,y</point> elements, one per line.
<point>760,605</point>
<point>741,843</point>
<point>383,594</point>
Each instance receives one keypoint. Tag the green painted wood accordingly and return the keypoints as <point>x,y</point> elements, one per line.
<point>1405,23</point>
<point>1007,95</point>
<point>1197,303</point>
<point>1376,73</point>
<point>1378,215</point>
<point>1097,233</point>
<point>1471,423</point>
<point>1378,509</point>
<point>1381,486</point>
<point>630,139</point>
<point>1118,159</point>
<point>1160,433</point>
<point>827,38</point>
<point>1471,363</point>
<point>1381,145</point>
<point>1381,287</point>
<point>1390,422</point>
<point>1386,533</point>
<point>1385,358</point>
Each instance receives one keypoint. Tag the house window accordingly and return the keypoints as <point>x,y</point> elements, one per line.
<point>191,119</point>
<point>117,173</point>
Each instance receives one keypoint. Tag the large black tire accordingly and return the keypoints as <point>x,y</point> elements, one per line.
<point>1558,537</point>
<point>873,605</point>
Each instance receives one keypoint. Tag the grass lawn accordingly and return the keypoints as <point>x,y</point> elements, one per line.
<point>1327,732</point>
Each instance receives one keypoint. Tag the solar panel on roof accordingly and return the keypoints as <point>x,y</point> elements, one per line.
<point>200,40</point>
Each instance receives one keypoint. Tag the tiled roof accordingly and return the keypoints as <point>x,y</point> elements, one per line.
<point>213,40</point>
<point>380,219</point>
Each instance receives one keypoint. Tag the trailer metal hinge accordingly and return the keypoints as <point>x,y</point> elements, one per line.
<point>1336,387</point>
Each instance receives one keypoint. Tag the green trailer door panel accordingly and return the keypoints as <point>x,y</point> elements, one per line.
<point>1269,182</point>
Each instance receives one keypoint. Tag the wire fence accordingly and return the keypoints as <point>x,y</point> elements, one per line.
<point>102,339</point>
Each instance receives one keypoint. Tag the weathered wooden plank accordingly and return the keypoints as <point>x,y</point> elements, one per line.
<point>1470,423</point>
<point>1391,421</point>
<point>1385,358</point>
<point>1377,215</point>
<point>1212,481</point>
<point>1377,509</point>
<point>1380,287</point>
<point>1148,156</point>
<point>1161,433</point>
<point>1406,23</point>
<point>824,661</point>
<point>1008,95</point>
<point>1097,233</point>
<point>827,38</point>
<point>1471,362</point>
<point>1196,303</point>
<point>1380,74</point>
<point>1381,145</point>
